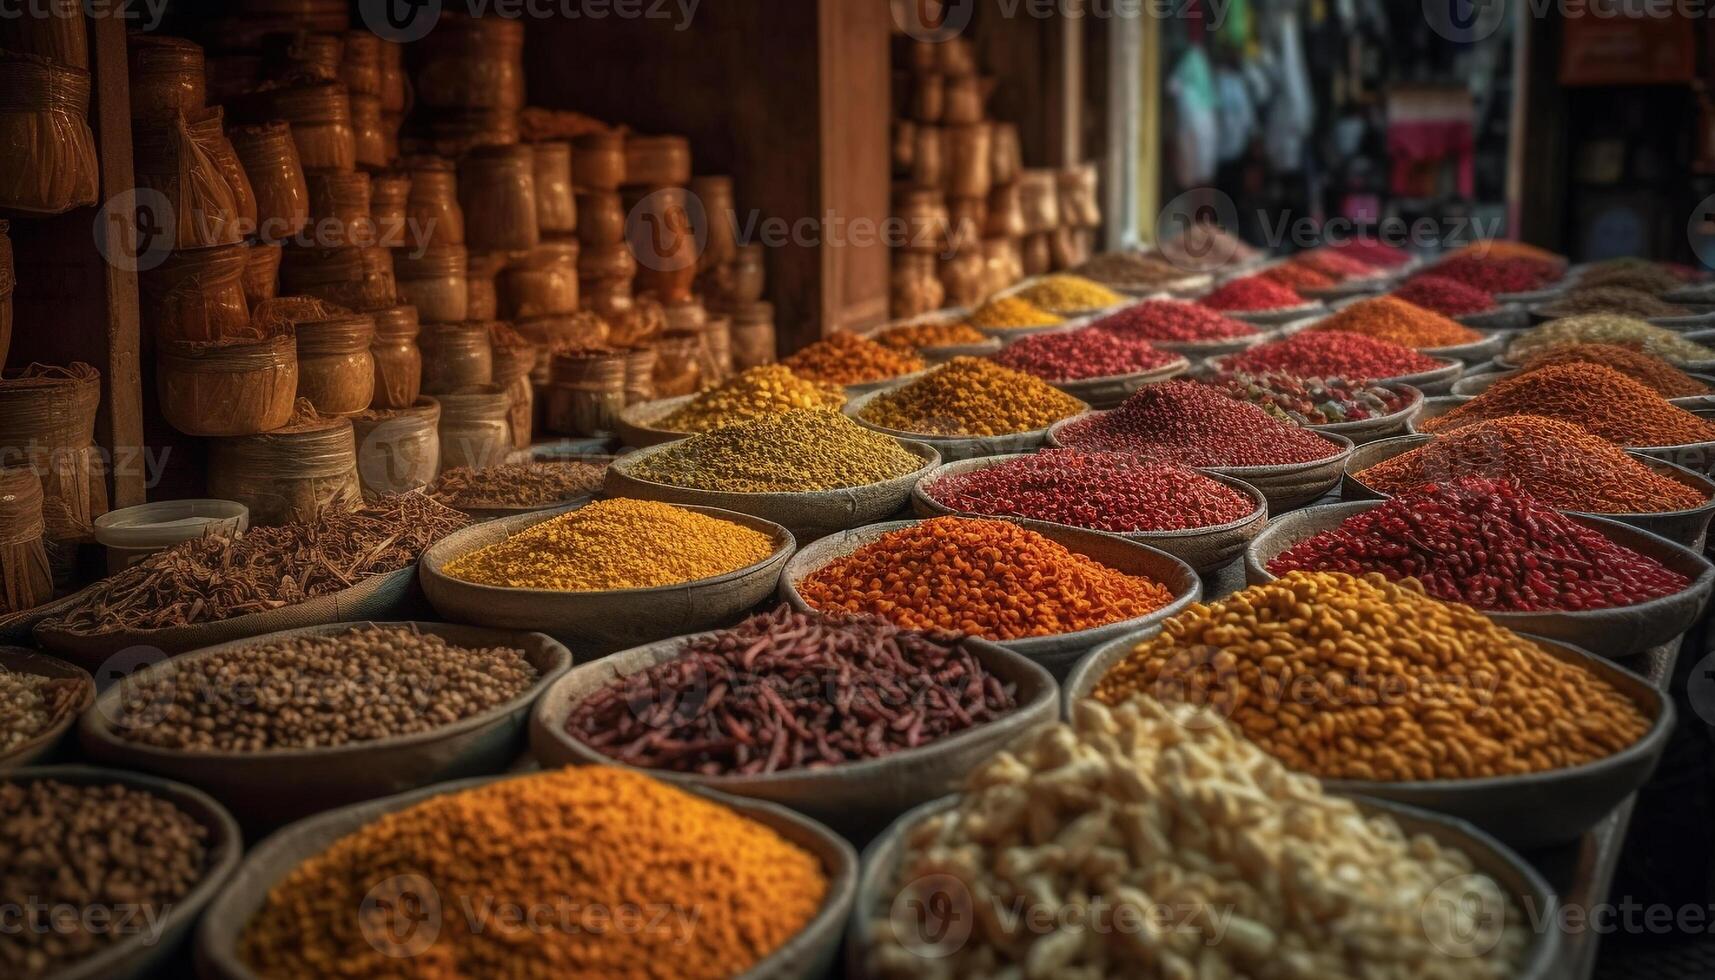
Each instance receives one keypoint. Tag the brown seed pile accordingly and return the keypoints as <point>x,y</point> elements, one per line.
<point>312,692</point>
<point>31,704</point>
<point>970,396</point>
<point>213,579</point>
<point>71,850</point>
<point>517,484</point>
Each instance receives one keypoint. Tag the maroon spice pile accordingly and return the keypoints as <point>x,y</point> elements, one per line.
<point>1488,544</point>
<point>789,690</point>
<point>1253,293</point>
<point>1333,354</point>
<point>1497,274</point>
<point>1334,265</point>
<point>1448,297</point>
<point>1372,252</point>
<point>1080,354</point>
<point>1189,423</point>
<point>1103,491</point>
<point>1167,320</point>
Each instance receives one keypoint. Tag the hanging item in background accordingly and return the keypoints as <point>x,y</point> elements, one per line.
<point>1193,90</point>
<point>1292,113</point>
<point>1235,115</point>
<point>1430,131</point>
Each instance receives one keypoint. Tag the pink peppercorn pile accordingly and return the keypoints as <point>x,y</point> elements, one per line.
<point>1175,321</point>
<point>1253,293</point>
<point>1488,544</point>
<point>1448,297</point>
<point>1189,423</point>
<point>1103,491</point>
<point>1080,354</point>
<point>1333,354</point>
<point>1496,274</point>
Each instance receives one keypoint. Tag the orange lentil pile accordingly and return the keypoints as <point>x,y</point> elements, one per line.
<point>844,358</point>
<point>1556,462</point>
<point>969,396</point>
<point>713,892</point>
<point>931,333</point>
<point>1399,322</point>
<point>1601,399</point>
<point>1665,379</point>
<point>985,578</point>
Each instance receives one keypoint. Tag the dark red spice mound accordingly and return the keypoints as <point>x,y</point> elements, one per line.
<point>1108,491</point>
<point>1495,274</point>
<point>1194,424</point>
<point>1333,354</point>
<point>1334,265</point>
<point>1371,251</point>
<point>1448,297</point>
<point>1167,320</point>
<point>1488,544</point>
<point>1253,293</point>
<point>1079,354</point>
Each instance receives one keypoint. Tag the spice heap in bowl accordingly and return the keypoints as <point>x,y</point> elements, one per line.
<point>538,484</point>
<point>789,452</point>
<point>1655,372</point>
<point>1132,271</point>
<point>753,888</point>
<point>1296,276</point>
<point>614,544</point>
<point>992,579</point>
<point>1608,328</point>
<point>844,358</point>
<point>1068,294</point>
<point>1152,795</point>
<point>1173,321</point>
<point>1080,355</point>
<point>1448,297</point>
<point>1498,275</point>
<point>1639,274</point>
<point>930,334</point>
<point>1252,294</point>
<point>1600,399</point>
<point>1487,544</point>
<point>887,690</point>
<point>1196,425</point>
<point>1618,300</point>
<point>1399,322</point>
<point>30,704</point>
<point>758,391</point>
<point>1116,492</point>
<point>1557,462</point>
<point>1439,667</point>
<point>1012,313</point>
<point>969,396</point>
<point>1371,251</point>
<point>1336,264</point>
<point>1332,354</point>
<point>1311,401</point>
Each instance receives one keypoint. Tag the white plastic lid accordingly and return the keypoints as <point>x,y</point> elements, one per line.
<point>168,522</point>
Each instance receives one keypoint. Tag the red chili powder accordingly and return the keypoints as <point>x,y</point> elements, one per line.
<point>1372,252</point>
<point>1498,275</point>
<point>1334,265</point>
<point>1252,293</point>
<point>1331,354</point>
<point>1196,425</point>
<point>1296,276</point>
<point>1448,297</point>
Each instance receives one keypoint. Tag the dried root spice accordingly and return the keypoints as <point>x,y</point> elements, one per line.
<point>792,452</point>
<point>614,544</point>
<point>1556,462</point>
<point>761,390</point>
<point>312,692</point>
<point>844,358</point>
<point>970,396</point>
<point>797,691</point>
<point>1402,687</point>
<point>266,568</point>
<point>683,887</point>
<point>992,579</point>
<point>1600,399</point>
<point>1665,379</point>
<point>73,849</point>
<point>517,484</point>
<point>1399,322</point>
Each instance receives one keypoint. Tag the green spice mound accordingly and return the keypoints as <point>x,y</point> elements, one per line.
<point>791,452</point>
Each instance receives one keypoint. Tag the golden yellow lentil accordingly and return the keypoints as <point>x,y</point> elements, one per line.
<point>1069,294</point>
<point>1012,312</point>
<point>759,391</point>
<point>971,396</point>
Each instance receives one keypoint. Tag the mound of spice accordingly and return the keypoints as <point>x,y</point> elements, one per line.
<point>712,892</point>
<point>265,568</point>
<point>1115,492</point>
<point>1011,313</point>
<point>1310,401</point>
<point>1206,246</point>
<point>930,333</point>
<point>1164,320</point>
<point>1333,354</point>
<point>1600,399</point>
<point>1147,804</point>
<point>614,544</point>
<point>318,691</point>
<point>1130,270</point>
<point>970,396</point>
<point>1488,544</point>
<point>1506,248</point>
<point>1640,275</point>
<point>761,390</point>
<point>1371,251</point>
<point>992,579</point>
<point>1660,376</point>
<point>1066,293</point>
<point>1252,293</point>
<point>1402,686</point>
<point>1619,300</point>
<point>83,860</point>
<point>1297,276</point>
<point>1399,322</point>
<point>800,691</point>
<point>844,358</point>
<point>30,704</point>
<point>792,452</point>
<point>1333,264</point>
<point>1448,297</point>
<point>1080,354</point>
<point>517,484</point>
<point>1556,462</point>
<point>1609,328</point>
<point>1193,424</point>
<point>1498,274</point>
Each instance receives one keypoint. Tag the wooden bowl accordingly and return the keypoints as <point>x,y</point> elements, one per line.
<point>44,745</point>
<point>953,447</point>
